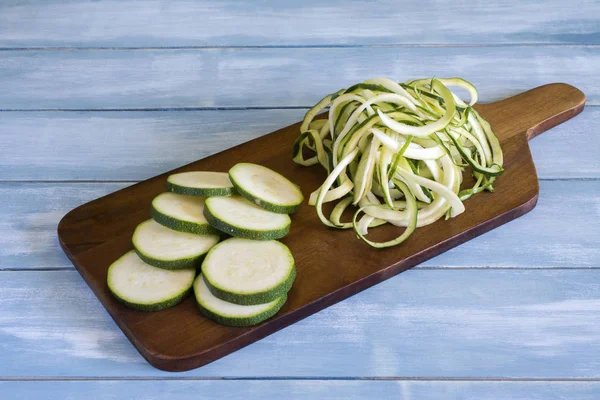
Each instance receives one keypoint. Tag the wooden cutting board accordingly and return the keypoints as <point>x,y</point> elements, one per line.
<point>331,264</point>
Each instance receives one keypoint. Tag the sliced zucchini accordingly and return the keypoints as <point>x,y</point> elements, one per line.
<point>181,213</point>
<point>200,183</point>
<point>233,314</point>
<point>165,248</point>
<point>247,272</point>
<point>239,217</point>
<point>266,188</point>
<point>143,287</point>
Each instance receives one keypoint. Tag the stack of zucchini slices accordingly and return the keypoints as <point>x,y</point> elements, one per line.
<point>245,278</point>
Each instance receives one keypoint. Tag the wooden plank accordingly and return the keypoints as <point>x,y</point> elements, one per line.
<point>86,79</point>
<point>31,213</point>
<point>422,323</point>
<point>204,23</point>
<point>137,145</point>
<point>293,389</point>
<point>123,145</point>
<point>29,217</point>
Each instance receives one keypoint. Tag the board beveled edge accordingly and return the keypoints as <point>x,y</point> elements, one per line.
<point>179,364</point>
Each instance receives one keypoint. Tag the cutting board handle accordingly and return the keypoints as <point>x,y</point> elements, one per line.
<point>534,111</point>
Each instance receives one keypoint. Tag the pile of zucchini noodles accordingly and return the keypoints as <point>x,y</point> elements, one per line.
<point>397,151</point>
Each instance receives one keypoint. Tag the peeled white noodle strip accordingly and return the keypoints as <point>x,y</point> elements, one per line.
<point>497,156</point>
<point>414,187</point>
<point>338,210</point>
<point>332,194</point>
<point>439,206</point>
<point>334,106</point>
<point>385,159</point>
<point>434,168</point>
<point>337,171</point>
<point>394,87</point>
<point>412,223</point>
<point>452,82</point>
<point>366,220</point>
<point>324,130</point>
<point>414,150</point>
<point>395,193</point>
<point>472,139</point>
<point>442,190</point>
<point>364,173</point>
<point>480,135</point>
<point>427,129</point>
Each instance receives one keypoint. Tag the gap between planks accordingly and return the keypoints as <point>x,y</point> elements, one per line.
<point>297,46</point>
<point>160,109</point>
<point>417,267</point>
<point>175,109</point>
<point>301,378</point>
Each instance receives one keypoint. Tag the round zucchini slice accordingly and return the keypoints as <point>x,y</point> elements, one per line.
<point>266,188</point>
<point>165,248</point>
<point>239,217</point>
<point>143,287</point>
<point>181,213</point>
<point>249,272</point>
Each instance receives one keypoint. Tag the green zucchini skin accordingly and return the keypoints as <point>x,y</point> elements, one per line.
<point>241,322</point>
<point>182,226</point>
<point>237,231</point>
<point>187,263</point>
<point>120,294</point>
<point>238,321</point>
<point>200,183</point>
<point>156,306</point>
<point>149,255</point>
<point>254,298</point>
<point>259,201</point>
<point>276,208</point>
<point>188,191</point>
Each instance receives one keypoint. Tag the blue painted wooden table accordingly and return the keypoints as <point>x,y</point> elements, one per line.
<point>96,95</point>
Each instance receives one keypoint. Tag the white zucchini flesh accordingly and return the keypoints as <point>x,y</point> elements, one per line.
<point>162,247</point>
<point>200,183</point>
<point>185,208</point>
<point>266,188</point>
<point>231,314</point>
<point>144,287</point>
<point>428,129</point>
<point>181,213</point>
<point>249,272</point>
<point>239,217</point>
<point>414,151</point>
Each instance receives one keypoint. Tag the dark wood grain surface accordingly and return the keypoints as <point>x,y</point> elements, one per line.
<point>331,264</point>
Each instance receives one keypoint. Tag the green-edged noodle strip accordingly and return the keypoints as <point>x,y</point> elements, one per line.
<point>381,135</point>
